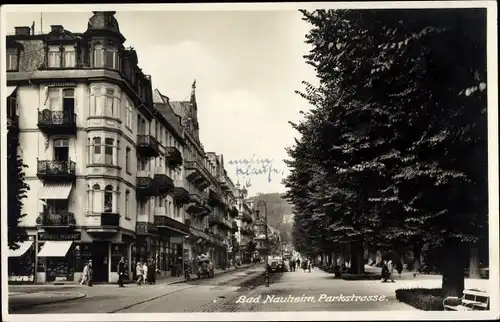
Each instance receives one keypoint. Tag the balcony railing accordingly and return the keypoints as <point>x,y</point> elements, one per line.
<point>55,170</point>
<point>233,212</point>
<point>173,156</point>
<point>56,219</point>
<point>214,196</point>
<point>145,185</point>
<point>147,146</point>
<point>57,122</point>
<point>181,195</point>
<point>165,183</point>
<point>164,222</point>
<point>197,174</point>
<point>247,218</point>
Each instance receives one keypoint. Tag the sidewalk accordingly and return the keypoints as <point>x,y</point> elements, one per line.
<point>39,294</point>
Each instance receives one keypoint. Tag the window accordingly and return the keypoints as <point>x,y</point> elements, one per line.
<point>128,114</point>
<point>111,59</point>
<point>12,59</point>
<point>69,103</point>
<point>127,159</point>
<point>108,151</point>
<point>61,150</point>
<point>157,130</point>
<point>95,101</point>
<point>55,99</point>
<point>98,56</point>
<point>69,58</point>
<point>54,57</point>
<point>96,199</point>
<point>127,206</point>
<point>108,199</point>
<point>97,150</point>
<point>110,108</point>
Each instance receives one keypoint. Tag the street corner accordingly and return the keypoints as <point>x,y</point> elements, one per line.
<point>19,300</point>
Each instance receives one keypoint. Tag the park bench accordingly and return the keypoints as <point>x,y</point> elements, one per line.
<point>470,301</point>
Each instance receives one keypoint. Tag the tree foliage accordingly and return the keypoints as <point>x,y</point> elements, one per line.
<point>394,150</point>
<point>17,189</point>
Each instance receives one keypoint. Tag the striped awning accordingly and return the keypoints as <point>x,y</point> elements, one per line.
<point>55,191</point>
<point>57,248</point>
<point>11,90</point>
<point>23,248</point>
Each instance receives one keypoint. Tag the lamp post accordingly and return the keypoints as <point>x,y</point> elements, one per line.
<point>259,203</point>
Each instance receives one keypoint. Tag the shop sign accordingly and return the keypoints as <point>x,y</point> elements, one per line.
<point>59,236</point>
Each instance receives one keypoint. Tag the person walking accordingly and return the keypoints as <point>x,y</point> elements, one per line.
<point>390,269</point>
<point>145,272</point>
<point>120,269</point>
<point>85,274</point>
<point>187,270</point>
<point>211,269</point>
<point>309,264</point>
<point>298,263</point>
<point>384,271</point>
<point>139,272</point>
<point>90,274</point>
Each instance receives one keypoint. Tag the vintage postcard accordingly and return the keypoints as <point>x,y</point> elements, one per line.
<point>252,161</point>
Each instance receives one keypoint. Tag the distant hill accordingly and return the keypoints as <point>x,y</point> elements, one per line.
<point>277,206</point>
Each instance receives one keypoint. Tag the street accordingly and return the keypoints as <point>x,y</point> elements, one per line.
<point>238,291</point>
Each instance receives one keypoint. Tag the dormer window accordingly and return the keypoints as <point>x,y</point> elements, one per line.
<point>69,57</point>
<point>54,57</point>
<point>98,56</point>
<point>12,59</point>
<point>112,59</point>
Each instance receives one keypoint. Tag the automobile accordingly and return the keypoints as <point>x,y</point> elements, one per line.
<point>276,266</point>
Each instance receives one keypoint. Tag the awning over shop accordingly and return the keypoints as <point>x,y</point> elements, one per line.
<point>55,191</point>
<point>23,248</point>
<point>11,90</point>
<point>55,248</point>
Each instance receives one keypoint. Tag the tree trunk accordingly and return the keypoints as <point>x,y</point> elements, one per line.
<point>416,258</point>
<point>452,268</point>
<point>357,259</point>
<point>474,262</point>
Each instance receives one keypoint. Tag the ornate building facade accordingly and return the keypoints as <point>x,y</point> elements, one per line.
<point>114,168</point>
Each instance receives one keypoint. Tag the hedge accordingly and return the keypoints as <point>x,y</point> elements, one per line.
<point>427,299</point>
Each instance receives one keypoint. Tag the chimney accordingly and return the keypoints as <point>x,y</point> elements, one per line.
<point>56,28</point>
<point>22,31</point>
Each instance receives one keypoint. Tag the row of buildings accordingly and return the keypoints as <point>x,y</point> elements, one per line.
<point>114,167</point>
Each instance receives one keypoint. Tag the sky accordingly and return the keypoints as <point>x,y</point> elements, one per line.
<point>247,65</point>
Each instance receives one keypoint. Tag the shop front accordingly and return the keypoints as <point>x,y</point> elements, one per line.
<point>147,246</point>
<point>172,237</point>
<point>58,256</point>
<point>21,262</point>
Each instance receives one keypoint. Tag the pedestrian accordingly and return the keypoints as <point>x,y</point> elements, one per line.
<point>90,274</point>
<point>139,272</point>
<point>187,269</point>
<point>120,269</point>
<point>298,263</point>
<point>211,269</point>
<point>309,265</point>
<point>146,272</point>
<point>85,274</point>
<point>390,269</point>
<point>399,268</point>
<point>384,271</point>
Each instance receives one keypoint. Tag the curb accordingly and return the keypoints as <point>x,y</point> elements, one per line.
<point>221,273</point>
<point>23,306</point>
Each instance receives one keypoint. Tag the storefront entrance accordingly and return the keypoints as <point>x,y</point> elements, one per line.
<point>100,258</point>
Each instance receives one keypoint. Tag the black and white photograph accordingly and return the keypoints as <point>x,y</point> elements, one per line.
<point>260,161</point>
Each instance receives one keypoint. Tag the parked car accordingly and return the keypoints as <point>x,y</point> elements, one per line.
<point>276,266</point>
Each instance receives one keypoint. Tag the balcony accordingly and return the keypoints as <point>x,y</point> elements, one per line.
<point>147,146</point>
<point>173,156</point>
<point>234,227</point>
<point>197,174</point>
<point>213,220</point>
<point>247,218</point>
<point>161,211</point>
<point>56,219</point>
<point>181,195</point>
<point>234,212</point>
<point>167,223</point>
<point>55,170</point>
<point>225,224</point>
<point>188,222</point>
<point>57,122</point>
<point>145,185</point>
<point>195,205</point>
<point>224,183</point>
<point>214,196</point>
<point>103,223</point>
<point>165,183</point>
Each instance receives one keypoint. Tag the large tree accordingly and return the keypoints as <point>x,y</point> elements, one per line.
<point>394,149</point>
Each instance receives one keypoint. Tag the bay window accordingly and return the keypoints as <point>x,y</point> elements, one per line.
<point>104,102</point>
<point>54,57</point>
<point>12,59</point>
<point>96,197</point>
<point>103,200</point>
<point>96,102</point>
<point>103,152</point>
